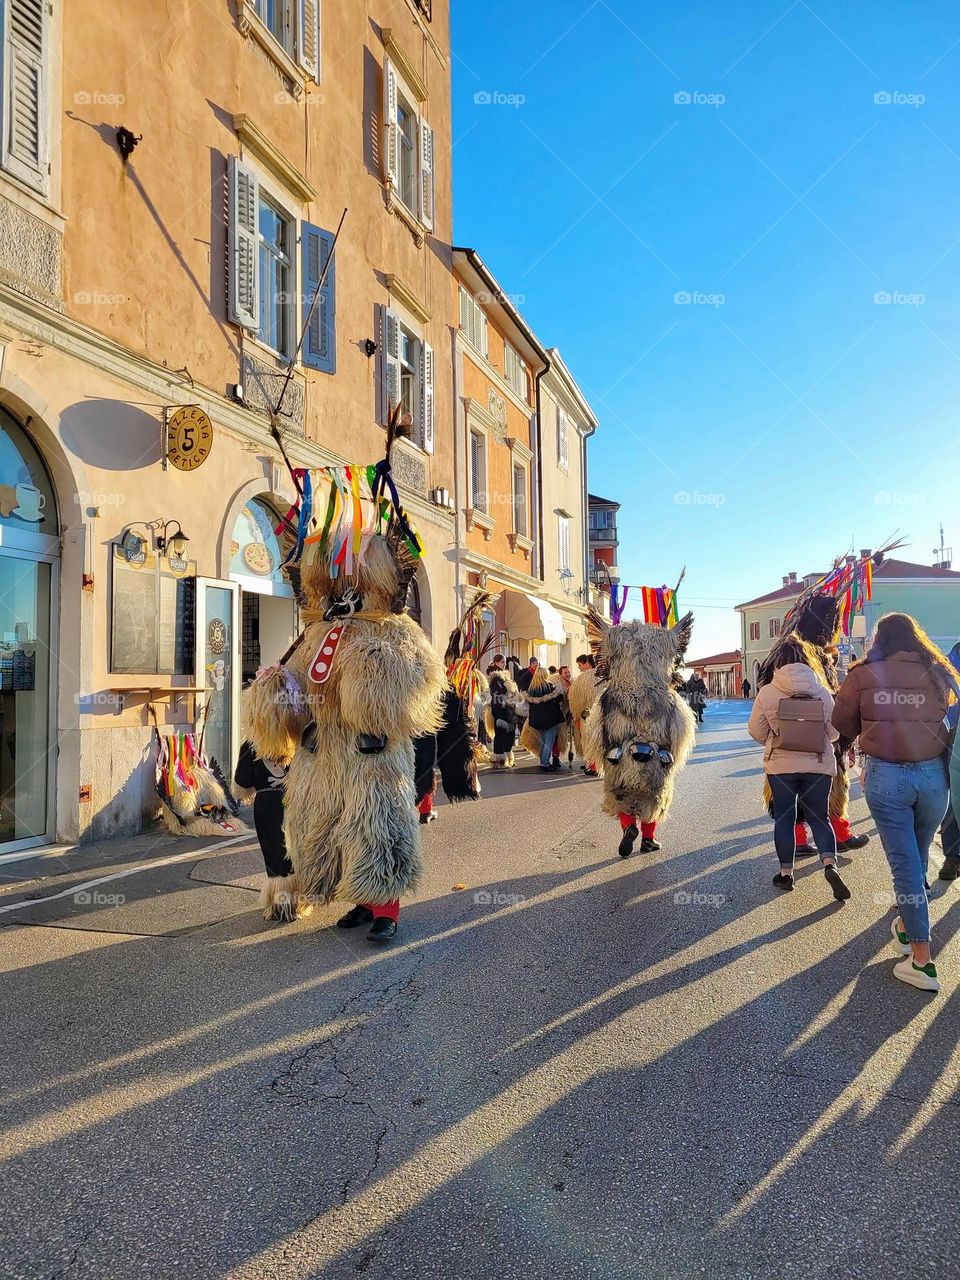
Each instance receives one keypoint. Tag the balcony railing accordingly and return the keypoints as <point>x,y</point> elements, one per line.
<point>604,535</point>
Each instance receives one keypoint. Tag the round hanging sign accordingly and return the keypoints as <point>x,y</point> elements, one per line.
<point>217,636</point>
<point>189,438</point>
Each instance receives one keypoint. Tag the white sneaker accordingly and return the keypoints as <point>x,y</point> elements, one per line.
<point>922,976</point>
<point>899,937</point>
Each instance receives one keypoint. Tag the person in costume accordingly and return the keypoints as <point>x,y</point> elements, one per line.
<point>816,619</point>
<point>580,699</point>
<point>503,717</point>
<point>261,782</point>
<point>640,732</point>
<point>697,693</point>
<point>361,684</point>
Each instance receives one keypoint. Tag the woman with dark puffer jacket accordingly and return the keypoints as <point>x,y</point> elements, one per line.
<point>895,701</point>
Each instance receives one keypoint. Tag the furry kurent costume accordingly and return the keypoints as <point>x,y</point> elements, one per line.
<point>452,750</point>
<point>581,696</point>
<point>503,715</point>
<point>816,618</point>
<point>347,702</point>
<point>640,732</point>
<point>195,796</point>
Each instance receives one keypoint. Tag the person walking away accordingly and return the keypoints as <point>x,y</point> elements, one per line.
<point>698,695</point>
<point>896,701</point>
<point>791,718</point>
<point>745,688</point>
<point>950,830</point>
<point>545,714</point>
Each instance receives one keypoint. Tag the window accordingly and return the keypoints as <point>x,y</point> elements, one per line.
<point>754,630</point>
<point>407,376</point>
<point>478,471</point>
<point>563,531</point>
<point>602,521</point>
<point>520,500</point>
<point>319,349</point>
<point>473,322</point>
<point>562,446</point>
<point>294,26</point>
<point>407,148</point>
<point>774,627</point>
<point>515,371</point>
<point>24,106</point>
<point>276,233</point>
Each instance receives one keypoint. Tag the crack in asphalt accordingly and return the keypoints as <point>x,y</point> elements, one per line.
<point>87,1232</point>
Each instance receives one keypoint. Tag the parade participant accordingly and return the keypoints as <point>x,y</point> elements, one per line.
<point>545,714</point>
<point>362,683</point>
<point>697,693</point>
<point>895,701</point>
<point>261,782</point>
<point>502,717</point>
<point>641,732</point>
<point>580,698</point>
<point>798,757</point>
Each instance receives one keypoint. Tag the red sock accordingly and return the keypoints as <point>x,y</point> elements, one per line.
<point>389,909</point>
<point>648,830</point>
<point>626,820</point>
<point>426,804</point>
<point>800,834</point>
<point>841,828</point>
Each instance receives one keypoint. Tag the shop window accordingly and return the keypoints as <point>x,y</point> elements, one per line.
<point>254,547</point>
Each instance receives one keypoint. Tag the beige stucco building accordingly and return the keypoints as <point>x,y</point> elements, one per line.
<point>169,189</point>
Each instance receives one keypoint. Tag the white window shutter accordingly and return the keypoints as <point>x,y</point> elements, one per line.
<point>25,109</point>
<point>426,396</point>
<point>308,37</point>
<point>243,245</point>
<point>426,175</point>
<point>391,139</point>
<point>319,349</point>
<point>484,343</point>
<point>562,451</point>
<point>389,347</point>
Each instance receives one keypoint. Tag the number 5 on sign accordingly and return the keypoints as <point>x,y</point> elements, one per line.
<point>189,438</point>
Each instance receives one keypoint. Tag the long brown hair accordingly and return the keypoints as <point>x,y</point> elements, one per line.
<point>900,633</point>
<point>795,649</point>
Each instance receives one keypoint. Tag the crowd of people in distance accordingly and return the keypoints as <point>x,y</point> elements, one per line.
<point>896,712</point>
<point>540,707</point>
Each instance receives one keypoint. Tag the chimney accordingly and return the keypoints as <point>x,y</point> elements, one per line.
<point>866,553</point>
<point>793,578</point>
<point>851,559</point>
<point>786,579</point>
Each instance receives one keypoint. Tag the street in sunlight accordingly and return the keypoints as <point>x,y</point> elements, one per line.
<point>570,1065</point>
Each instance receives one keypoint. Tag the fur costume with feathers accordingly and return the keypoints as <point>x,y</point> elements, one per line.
<point>581,696</point>
<point>637,703</point>
<point>349,819</point>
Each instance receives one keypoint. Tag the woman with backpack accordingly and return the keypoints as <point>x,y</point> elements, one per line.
<point>791,718</point>
<point>896,701</point>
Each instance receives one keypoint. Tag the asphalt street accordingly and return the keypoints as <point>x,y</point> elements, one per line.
<point>569,1065</point>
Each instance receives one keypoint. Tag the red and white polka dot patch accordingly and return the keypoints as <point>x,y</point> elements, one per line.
<point>322,664</point>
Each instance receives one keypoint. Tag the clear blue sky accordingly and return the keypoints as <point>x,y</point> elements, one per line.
<point>799,413</point>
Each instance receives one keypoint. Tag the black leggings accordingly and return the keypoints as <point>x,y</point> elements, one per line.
<point>813,789</point>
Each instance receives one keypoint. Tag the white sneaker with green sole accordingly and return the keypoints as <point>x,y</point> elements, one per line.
<point>899,937</point>
<point>923,976</point>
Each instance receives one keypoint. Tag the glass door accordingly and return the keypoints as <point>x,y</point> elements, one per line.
<point>218,670</point>
<point>27,587</point>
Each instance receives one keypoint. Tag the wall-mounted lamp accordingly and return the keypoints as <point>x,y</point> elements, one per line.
<point>133,545</point>
<point>127,140</point>
<point>369,347</point>
<point>175,542</point>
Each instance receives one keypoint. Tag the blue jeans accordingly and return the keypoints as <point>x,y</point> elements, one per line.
<point>814,790</point>
<point>907,802</point>
<point>548,738</point>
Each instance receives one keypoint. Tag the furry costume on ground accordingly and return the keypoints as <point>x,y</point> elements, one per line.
<point>640,732</point>
<point>453,750</point>
<point>196,798</point>
<point>816,618</point>
<point>348,702</point>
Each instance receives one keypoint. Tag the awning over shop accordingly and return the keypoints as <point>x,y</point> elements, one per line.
<point>527,618</point>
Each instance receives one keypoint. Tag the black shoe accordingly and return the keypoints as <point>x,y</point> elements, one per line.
<point>649,845</point>
<point>427,817</point>
<point>805,850</point>
<point>383,929</point>
<point>950,869</point>
<point>629,836</point>
<point>783,881</point>
<point>356,915</point>
<point>834,880</point>
<point>555,765</point>
<point>855,842</point>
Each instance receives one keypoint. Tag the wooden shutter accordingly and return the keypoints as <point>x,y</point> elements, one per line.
<point>426,175</point>
<point>562,450</point>
<point>427,363</point>
<point>564,542</point>
<point>389,375</point>
<point>391,130</point>
<point>319,347</point>
<point>308,37</point>
<point>243,246</point>
<point>25,108</point>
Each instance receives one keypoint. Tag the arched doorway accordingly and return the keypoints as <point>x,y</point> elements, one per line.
<point>29,593</point>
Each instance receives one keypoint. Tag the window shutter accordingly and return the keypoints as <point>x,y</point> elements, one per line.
<point>426,175</point>
<point>391,141</point>
<point>562,455</point>
<point>510,364</point>
<point>426,396</point>
<point>24,109</point>
<point>308,37</point>
<point>389,347</point>
<point>564,542</point>
<point>243,245</point>
<point>319,347</point>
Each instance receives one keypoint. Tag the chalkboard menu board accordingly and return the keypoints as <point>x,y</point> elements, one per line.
<point>153,608</point>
